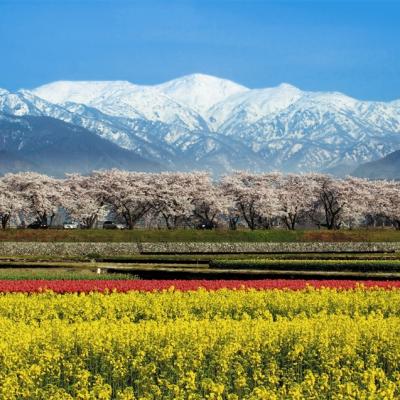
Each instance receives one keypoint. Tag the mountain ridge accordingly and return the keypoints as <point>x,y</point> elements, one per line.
<point>182,121</point>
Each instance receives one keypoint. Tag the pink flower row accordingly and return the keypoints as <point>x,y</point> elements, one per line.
<point>71,286</point>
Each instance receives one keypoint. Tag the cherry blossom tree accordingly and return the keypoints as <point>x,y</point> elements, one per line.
<point>11,202</point>
<point>296,195</point>
<point>328,207</point>
<point>377,203</point>
<point>82,199</point>
<point>175,199</point>
<point>208,200</point>
<point>232,212</point>
<point>254,196</point>
<point>390,192</point>
<point>130,195</point>
<point>357,199</point>
<point>172,198</point>
<point>339,201</point>
<point>40,193</point>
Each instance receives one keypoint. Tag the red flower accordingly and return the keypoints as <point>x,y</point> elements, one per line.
<point>65,286</point>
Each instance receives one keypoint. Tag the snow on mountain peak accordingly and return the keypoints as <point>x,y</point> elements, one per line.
<point>120,98</point>
<point>247,107</point>
<point>286,86</point>
<point>395,103</point>
<point>330,99</point>
<point>200,91</point>
<point>197,92</point>
<point>80,91</point>
<point>18,104</point>
<point>3,92</point>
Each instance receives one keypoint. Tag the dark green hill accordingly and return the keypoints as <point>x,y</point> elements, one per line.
<point>385,168</point>
<point>54,147</point>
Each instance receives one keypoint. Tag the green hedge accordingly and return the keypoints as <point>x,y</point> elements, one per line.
<point>310,265</point>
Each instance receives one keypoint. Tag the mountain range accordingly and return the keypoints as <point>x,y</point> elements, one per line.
<point>190,123</point>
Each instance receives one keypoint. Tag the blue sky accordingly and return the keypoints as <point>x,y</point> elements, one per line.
<point>348,46</point>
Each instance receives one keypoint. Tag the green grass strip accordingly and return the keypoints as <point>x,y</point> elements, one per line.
<point>310,265</point>
<point>31,274</point>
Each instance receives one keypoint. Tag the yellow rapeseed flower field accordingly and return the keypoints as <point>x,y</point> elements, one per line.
<point>225,344</point>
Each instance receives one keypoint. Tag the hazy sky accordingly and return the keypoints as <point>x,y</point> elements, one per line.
<point>348,46</point>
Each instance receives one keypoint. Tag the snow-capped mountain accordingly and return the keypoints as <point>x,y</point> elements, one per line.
<point>123,99</point>
<point>200,92</point>
<point>318,131</point>
<point>130,134</point>
<point>245,108</point>
<point>203,122</point>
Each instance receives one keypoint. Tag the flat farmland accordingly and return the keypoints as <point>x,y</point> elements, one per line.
<point>234,326</point>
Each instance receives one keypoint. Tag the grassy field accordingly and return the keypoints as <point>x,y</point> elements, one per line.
<point>193,235</point>
<point>58,274</point>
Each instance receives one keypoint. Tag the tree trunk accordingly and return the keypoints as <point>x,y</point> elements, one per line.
<point>249,216</point>
<point>132,216</point>
<point>290,221</point>
<point>5,218</point>
<point>167,221</point>
<point>233,221</point>
<point>90,221</point>
<point>42,218</point>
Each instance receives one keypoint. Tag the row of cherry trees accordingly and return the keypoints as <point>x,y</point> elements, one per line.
<point>258,201</point>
